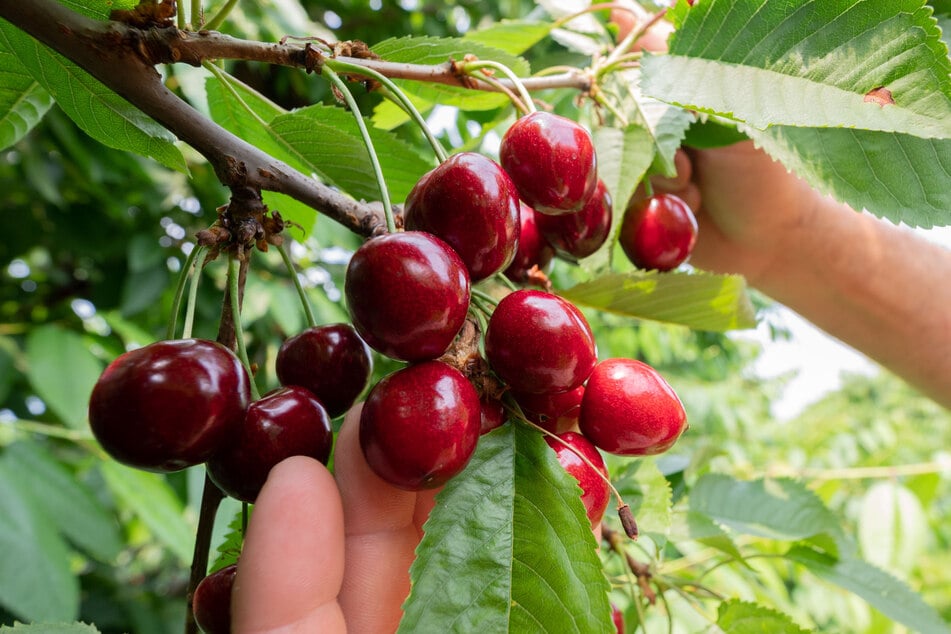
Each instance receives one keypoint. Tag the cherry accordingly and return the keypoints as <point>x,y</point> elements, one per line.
<point>170,404</point>
<point>629,409</point>
<point>211,603</point>
<point>331,361</point>
<point>408,294</point>
<point>552,162</point>
<point>471,203</point>
<point>286,422</point>
<point>533,249</point>
<point>555,411</point>
<point>578,235</point>
<point>658,232</point>
<point>618,617</point>
<point>538,342</point>
<point>420,425</point>
<point>493,413</point>
<point>594,489</point>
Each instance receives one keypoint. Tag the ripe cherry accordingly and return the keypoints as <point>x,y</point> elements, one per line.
<point>629,409</point>
<point>658,232</point>
<point>289,421</point>
<point>594,488</point>
<point>552,162</point>
<point>493,413</point>
<point>211,603</point>
<point>408,294</point>
<point>578,235</point>
<point>538,342</point>
<point>170,404</point>
<point>533,249</point>
<point>555,411</point>
<point>331,361</point>
<point>470,203</point>
<point>618,617</point>
<point>420,425</point>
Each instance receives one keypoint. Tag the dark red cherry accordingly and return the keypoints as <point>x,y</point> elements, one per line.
<point>331,361</point>
<point>594,489</point>
<point>170,404</point>
<point>555,411</point>
<point>420,425</point>
<point>629,409</point>
<point>552,162</point>
<point>578,235</point>
<point>539,342</point>
<point>533,249</point>
<point>211,603</point>
<point>289,421</point>
<point>408,294</point>
<point>470,203</point>
<point>658,232</point>
<point>493,413</point>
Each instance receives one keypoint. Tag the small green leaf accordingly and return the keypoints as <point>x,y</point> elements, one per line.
<point>50,349</point>
<point>230,547</point>
<point>703,301</point>
<point>50,628</point>
<point>511,36</point>
<point>508,548</point>
<point>701,528</point>
<point>712,132</point>
<point>892,526</point>
<point>23,102</point>
<point>742,617</point>
<point>646,490</point>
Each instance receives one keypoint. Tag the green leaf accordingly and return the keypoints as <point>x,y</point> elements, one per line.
<point>68,504</point>
<point>50,349</point>
<point>36,582</point>
<point>702,301</point>
<point>882,591</point>
<point>230,547</point>
<point>712,132</point>
<point>742,617</point>
<point>699,527</point>
<point>511,36</point>
<point>23,102</point>
<point>646,490</point>
<point>152,500</point>
<point>508,548</point>
<point>98,9</point>
<point>99,112</point>
<point>892,527</point>
<point>50,628</point>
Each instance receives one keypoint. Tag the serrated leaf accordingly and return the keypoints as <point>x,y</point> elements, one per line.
<point>882,591</point>
<point>702,528</point>
<point>99,112</point>
<point>511,36</point>
<point>712,132</point>
<point>36,583</point>
<point>50,628</point>
<point>702,301</point>
<point>152,500</point>
<point>508,548</point>
<point>230,547</point>
<point>646,490</point>
<point>742,617</point>
<point>68,504</point>
<point>51,348</point>
<point>23,102</point>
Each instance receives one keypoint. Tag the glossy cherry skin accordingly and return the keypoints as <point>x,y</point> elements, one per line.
<point>658,232</point>
<point>538,342</point>
<point>552,162</point>
<point>470,203</point>
<point>420,425</point>
<point>170,404</point>
<point>555,411</point>
<point>578,235</point>
<point>493,414</point>
<point>594,489</point>
<point>211,603</point>
<point>289,421</point>
<point>408,293</point>
<point>629,409</point>
<point>331,361</point>
<point>533,249</point>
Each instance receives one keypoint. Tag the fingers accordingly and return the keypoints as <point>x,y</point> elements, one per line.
<point>291,566</point>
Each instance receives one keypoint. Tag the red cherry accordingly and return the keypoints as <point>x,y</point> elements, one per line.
<point>470,203</point>
<point>211,603</point>
<point>533,249</point>
<point>408,294</point>
<point>555,411</point>
<point>420,425</point>
<point>629,409</point>
<point>594,489</point>
<point>289,421</point>
<point>538,342</point>
<point>331,361</point>
<point>658,232</point>
<point>170,404</point>
<point>493,414</point>
<point>618,617</point>
<point>552,162</point>
<point>578,235</point>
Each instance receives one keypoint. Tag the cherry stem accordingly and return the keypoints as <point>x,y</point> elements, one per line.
<point>301,293</point>
<point>211,497</point>
<point>219,17</point>
<point>648,187</point>
<point>515,99</point>
<point>344,90</point>
<point>602,6</point>
<point>191,307</point>
<point>471,68</point>
<point>196,14</point>
<point>400,97</point>
<point>623,48</point>
<point>502,277</point>
<point>234,266</point>
<point>485,297</point>
<point>180,290</point>
<point>641,570</point>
